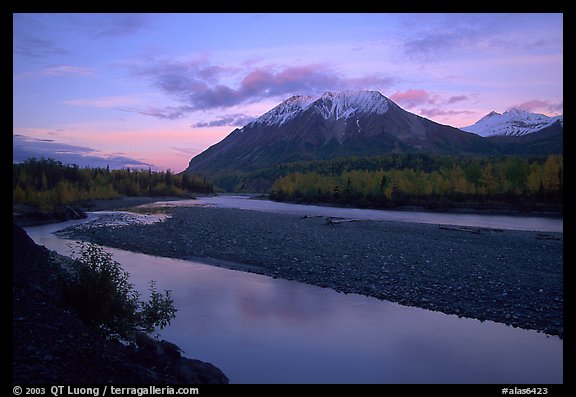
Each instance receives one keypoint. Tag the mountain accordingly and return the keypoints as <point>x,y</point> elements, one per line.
<point>360,123</point>
<point>548,140</point>
<point>514,122</point>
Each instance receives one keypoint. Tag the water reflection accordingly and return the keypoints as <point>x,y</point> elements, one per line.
<point>261,330</point>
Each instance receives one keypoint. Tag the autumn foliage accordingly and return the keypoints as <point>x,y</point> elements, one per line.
<point>511,181</point>
<point>46,182</point>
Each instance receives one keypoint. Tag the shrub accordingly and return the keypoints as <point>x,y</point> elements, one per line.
<point>104,298</point>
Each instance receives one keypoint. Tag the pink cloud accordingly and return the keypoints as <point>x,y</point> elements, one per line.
<point>198,85</point>
<point>432,112</point>
<point>412,98</point>
<point>537,105</point>
<point>256,80</point>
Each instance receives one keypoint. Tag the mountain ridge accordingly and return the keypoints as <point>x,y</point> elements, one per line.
<point>513,122</point>
<point>333,125</point>
<point>354,123</point>
<point>328,105</point>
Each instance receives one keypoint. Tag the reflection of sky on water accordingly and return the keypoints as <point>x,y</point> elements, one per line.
<point>258,329</point>
<point>261,330</point>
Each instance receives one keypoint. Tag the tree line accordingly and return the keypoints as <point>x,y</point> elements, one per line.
<point>429,181</point>
<point>45,183</point>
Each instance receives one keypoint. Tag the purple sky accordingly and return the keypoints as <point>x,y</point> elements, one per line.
<point>154,90</point>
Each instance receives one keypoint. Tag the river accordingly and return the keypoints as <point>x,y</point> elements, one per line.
<point>263,330</point>
<point>512,222</point>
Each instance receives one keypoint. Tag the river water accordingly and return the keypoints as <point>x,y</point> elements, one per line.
<point>534,223</point>
<point>263,330</point>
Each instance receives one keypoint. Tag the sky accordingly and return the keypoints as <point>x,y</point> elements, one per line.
<point>154,90</point>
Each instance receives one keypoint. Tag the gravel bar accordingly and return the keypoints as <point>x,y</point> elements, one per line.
<point>506,276</point>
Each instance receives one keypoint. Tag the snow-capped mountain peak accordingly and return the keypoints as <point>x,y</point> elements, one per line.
<point>286,110</point>
<point>329,105</point>
<point>362,123</point>
<point>513,122</point>
<point>491,114</point>
<point>344,104</point>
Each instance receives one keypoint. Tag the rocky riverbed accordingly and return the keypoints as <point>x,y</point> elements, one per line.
<point>507,276</point>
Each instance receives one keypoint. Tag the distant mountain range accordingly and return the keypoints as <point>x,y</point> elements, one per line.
<point>514,122</point>
<point>366,123</point>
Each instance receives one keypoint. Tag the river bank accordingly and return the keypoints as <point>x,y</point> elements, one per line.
<point>25,215</point>
<point>507,276</point>
<point>51,344</point>
<point>551,211</point>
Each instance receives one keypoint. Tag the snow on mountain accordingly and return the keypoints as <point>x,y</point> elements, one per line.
<point>286,110</point>
<point>330,105</point>
<point>345,104</point>
<point>514,122</point>
<point>366,123</point>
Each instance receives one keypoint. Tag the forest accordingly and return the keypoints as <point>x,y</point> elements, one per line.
<point>426,180</point>
<point>45,183</point>
<point>429,181</point>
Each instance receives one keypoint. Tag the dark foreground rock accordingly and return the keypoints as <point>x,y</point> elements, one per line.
<point>52,345</point>
<point>507,276</point>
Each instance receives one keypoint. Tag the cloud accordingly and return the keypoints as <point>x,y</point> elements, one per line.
<point>433,112</point>
<point>412,98</point>
<point>457,98</point>
<point>537,105</point>
<point>445,34</point>
<point>186,150</point>
<point>104,102</point>
<point>36,48</point>
<point>60,70</point>
<point>430,45</point>
<point>494,34</point>
<point>199,85</point>
<point>234,120</point>
<point>68,70</point>
<point>31,31</point>
<point>167,113</point>
<point>24,144</point>
<point>115,25</point>
<point>24,147</point>
<point>417,98</point>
